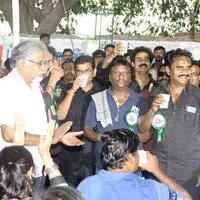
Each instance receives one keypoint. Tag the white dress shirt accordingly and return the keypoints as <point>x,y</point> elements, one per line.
<point>19,98</point>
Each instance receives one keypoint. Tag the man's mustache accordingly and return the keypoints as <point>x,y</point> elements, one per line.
<point>164,78</point>
<point>145,65</point>
<point>182,75</point>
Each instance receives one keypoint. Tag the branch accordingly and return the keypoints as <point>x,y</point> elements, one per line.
<point>36,13</point>
<point>47,7</point>
<point>51,21</point>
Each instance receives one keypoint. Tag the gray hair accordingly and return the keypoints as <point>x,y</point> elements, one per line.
<point>26,49</point>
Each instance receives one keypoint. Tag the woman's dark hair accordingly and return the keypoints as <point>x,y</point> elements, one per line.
<point>61,193</point>
<point>116,146</point>
<point>15,162</point>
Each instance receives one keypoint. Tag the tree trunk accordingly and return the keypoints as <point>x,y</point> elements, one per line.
<point>48,18</point>
<point>26,20</point>
<point>6,7</point>
<point>51,21</point>
<point>194,19</point>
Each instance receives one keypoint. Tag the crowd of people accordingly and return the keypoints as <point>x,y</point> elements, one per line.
<point>72,128</point>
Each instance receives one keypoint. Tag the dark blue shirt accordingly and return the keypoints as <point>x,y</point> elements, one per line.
<point>117,122</point>
<point>107,185</point>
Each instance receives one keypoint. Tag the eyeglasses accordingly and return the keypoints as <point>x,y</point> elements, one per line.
<point>86,71</point>
<point>47,62</point>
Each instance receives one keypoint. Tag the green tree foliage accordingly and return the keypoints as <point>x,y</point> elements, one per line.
<point>131,17</point>
<point>147,17</point>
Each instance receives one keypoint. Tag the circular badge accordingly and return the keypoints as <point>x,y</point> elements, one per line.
<point>58,92</point>
<point>131,118</point>
<point>159,121</point>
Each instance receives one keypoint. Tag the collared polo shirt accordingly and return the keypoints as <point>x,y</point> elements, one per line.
<point>19,98</point>
<point>179,152</point>
<point>107,185</point>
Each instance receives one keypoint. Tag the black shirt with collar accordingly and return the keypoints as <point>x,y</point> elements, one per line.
<point>77,113</point>
<point>79,105</point>
<point>145,90</point>
<point>76,163</point>
<point>179,152</point>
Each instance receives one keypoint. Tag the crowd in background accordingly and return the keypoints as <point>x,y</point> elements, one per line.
<point>81,122</point>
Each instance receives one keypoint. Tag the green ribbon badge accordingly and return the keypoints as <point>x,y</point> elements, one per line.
<point>57,92</point>
<point>159,123</point>
<point>132,117</point>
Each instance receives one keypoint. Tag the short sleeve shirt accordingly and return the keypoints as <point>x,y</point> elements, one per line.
<point>121,185</point>
<point>117,115</point>
<point>76,114</point>
<point>179,152</point>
